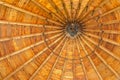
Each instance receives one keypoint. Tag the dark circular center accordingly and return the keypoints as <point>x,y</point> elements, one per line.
<point>72,29</point>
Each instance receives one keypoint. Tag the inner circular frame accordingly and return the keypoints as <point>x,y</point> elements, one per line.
<point>81,28</point>
<point>73,29</point>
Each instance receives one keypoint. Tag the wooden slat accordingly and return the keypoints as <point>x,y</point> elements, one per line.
<point>95,9</point>
<point>65,9</point>
<point>30,60</point>
<point>77,10</point>
<point>103,48</point>
<point>56,8</point>
<point>71,9</point>
<point>92,63</point>
<point>104,14</point>
<point>19,23</point>
<point>111,22</point>
<point>110,11</point>
<point>65,61</point>
<point>108,66</point>
<point>20,37</point>
<point>26,48</point>
<point>81,61</point>
<point>36,72</point>
<point>27,12</point>
<point>73,57</point>
<point>105,31</point>
<point>57,58</point>
<point>28,36</point>
<point>26,24</point>
<point>48,11</point>
<point>104,39</point>
<point>84,10</point>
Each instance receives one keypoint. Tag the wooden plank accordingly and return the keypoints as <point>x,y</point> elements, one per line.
<point>48,11</point>
<point>77,10</point>
<point>26,48</point>
<point>57,58</point>
<point>56,8</point>
<point>95,9</point>
<point>30,60</point>
<point>105,31</point>
<point>104,39</point>
<point>92,63</point>
<point>35,73</point>
<point>108,66</point>
<point>103,14</point>
<point>65,9</point>
<point>103,48</point>
<point>81,61</point>
<point>64,65</point>
<point>27,12</point>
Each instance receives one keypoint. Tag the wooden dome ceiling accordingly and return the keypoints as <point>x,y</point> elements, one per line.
<point>59,39</point>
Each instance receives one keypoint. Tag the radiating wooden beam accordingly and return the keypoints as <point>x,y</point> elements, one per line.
<point>103,48</point>
<point>19,23</point>
<point>36,72</point>
<point>111,22</point>
<point>26,24</point>
<point>110,11</point>
<point>81,61</point>
<point>30,60</point>
<point>65,9</point>
<point>56,31</point>
<point>71,9</point>
<point>92,63</point>
<point>41,6</point>
<point>105,31</point>
<point>77,10</point>
<point>65,61</point>
<point>48,11</point>
<point>98,7</point>
<point>57,58</point>
<point>26,48</point>
<point>27,12</point>
<point>84,10</point>
<point>104,39</point>
<point>20,37</point>
<point>103,14</point>
<point>105,23</point>
<point>56,8</point>
<point>94,9</point>
<point>103,61</point>
<point>28,36</point>
<point>73,57</point>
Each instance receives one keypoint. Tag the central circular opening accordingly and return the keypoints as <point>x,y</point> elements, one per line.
<point>72,29</point>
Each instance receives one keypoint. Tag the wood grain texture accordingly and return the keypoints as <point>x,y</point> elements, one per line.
<point>34,43</point>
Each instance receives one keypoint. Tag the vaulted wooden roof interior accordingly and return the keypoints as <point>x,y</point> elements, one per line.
<point>59,39</point>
